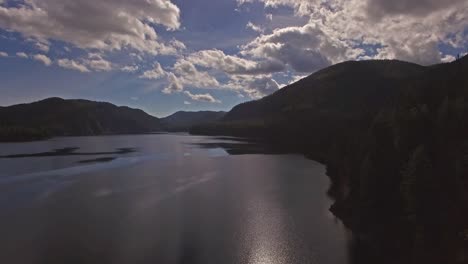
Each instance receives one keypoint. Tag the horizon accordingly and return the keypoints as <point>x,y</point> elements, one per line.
<point>208,109</point>
<point>118,105</point>
<point>176,55</point>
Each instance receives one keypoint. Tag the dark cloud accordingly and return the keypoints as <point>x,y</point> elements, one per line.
<point>379,8</point>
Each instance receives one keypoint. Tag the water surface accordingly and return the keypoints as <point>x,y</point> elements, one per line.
<point>171,199</point>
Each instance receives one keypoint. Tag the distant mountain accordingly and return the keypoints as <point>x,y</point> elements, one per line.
<point>183,121</point>
<point>394,136</point>
<point>59,117</point>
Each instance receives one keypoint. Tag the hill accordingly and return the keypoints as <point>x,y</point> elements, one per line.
<point>59,117</point>
<point>394,137</point>
<point>338,98</point>
<point>183,121</point>
<point>339,89</point>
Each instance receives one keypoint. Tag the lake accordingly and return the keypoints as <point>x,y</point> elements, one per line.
<point>164,198</point>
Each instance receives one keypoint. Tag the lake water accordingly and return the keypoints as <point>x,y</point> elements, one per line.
<point>164,199</point>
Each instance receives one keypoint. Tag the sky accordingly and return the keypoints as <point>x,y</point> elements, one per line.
<point>168,55</point>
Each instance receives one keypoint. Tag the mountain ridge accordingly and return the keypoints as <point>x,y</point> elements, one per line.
<point>72,117</point>
<point>182,121</point>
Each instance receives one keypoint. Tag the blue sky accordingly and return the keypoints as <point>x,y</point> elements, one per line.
<point>163,56</point>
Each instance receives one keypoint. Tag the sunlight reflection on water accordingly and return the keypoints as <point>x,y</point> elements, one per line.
<point>172,202</point>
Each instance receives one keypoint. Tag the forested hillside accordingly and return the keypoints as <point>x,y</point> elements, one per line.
<point>395,138</point>
<point>59,117</point>
<point>182,121</point>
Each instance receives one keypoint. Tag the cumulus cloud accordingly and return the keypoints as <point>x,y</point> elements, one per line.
<point>254,27</point>
<point>93,62</point>
<point>182,74</point>
<point>253,86</point>
<point>130,68</point>
<point>22,55</point>
<point>302,6</point>
<point>43,58</point>
<point>72,65</point>
<point>202,97</point>
<point>303,48</point>
<point>156,73</point>
<point>96,62</point>
<point>3,54</point>
<point>352,29</point>
<point>217,59</point>
<point>448,58</point>
<point>89,24</point>
<point>44,47</point>
<point>188,74</point>
<point>198,70</point>
<point>174,86</point>
<point>179,45</point>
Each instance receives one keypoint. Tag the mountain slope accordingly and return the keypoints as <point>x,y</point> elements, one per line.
<point>339,88</point>
<point>59,117</point>
<point>334,99</point>
<point>394,137</point>
<point>183,121</point>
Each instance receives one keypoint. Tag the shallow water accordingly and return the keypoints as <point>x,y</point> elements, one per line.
<point>174,199</point>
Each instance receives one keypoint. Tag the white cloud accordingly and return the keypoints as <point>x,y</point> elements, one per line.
<point>187,103</point>
<point>90,24</point>
<point>352,29</point>
<point>197,70</point>
<point>304,48</point>
<point>269,17</point>
<point>3,54</point>
<point>302,6</point>
<point>156,73</point>
<point>96,62</point>
<point>174,86</point>
<point>188,74</point>
<point>183,73</point>
<point>130,68</point>
<point>177,44</point>
<point>72,65</point>
<point>448,58</point>
<point>43,58</point>
<point>44,47</point>
<point>254,27</point>
<point>93,62</point>
<point>295,78</point>
<point>137,56</point>
<point>253,86</point>
<point>22,55</point>
<point>202,97</point>
<point>217,59</point>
